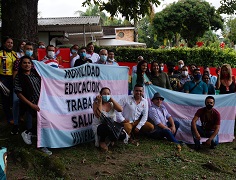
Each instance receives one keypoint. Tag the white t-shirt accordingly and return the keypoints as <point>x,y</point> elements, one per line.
<point>94,57</point>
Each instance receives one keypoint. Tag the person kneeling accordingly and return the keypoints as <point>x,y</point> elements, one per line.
<point>165,126</point>
<point>105,106</point>
<point>210,119</point>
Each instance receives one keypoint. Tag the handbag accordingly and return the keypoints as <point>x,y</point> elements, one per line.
<point>115,127</point>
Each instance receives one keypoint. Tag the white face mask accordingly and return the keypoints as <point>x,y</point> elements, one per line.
<point>109,59</point>
<point>184,73</point>
<point>51,54</point>
<point>162,68</point>
<point>180,66</point>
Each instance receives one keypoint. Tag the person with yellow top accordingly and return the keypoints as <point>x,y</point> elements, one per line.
<point>7,59</point>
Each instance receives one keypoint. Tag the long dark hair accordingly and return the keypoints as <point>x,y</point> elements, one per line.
<point>3,47</point>
<point>152,64</point>
<point>24,80</point>
<point>139,72</point>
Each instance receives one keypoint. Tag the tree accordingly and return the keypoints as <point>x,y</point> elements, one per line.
<point>231,30</point>
<point>227,7</point>
<point>130,9</point>
<point>189,18</point>
<point>94,10</point>
<point>146,33</point>
<point>19,20</point>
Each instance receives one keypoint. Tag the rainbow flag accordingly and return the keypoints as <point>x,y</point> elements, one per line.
<point>66,100</point>
<point>183,106</point>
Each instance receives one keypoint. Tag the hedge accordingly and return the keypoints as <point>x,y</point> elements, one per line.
<point>200,56</point>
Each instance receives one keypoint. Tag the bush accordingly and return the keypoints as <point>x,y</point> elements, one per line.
<point>201,56</point>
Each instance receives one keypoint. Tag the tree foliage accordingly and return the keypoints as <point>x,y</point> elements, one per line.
<point>94,10</point>
<point>227,7</point>
<point>231,30</point>
<point>189,18</point>
<point>130,9</point>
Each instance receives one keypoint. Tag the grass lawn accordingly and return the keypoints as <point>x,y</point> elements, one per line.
<point>152,159</point>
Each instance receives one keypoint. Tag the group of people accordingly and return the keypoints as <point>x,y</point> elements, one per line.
<point>154,122</point>
<point>188,79</point>
<point>80,56</point>
<point>17,73</point>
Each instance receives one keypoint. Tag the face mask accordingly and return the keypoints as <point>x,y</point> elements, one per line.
<point>82,55</point>
<point>180,66</point>
<point>28,53</point>
<point>171,69</point>
<point>103,58</point>
<point>51,54</point>
<point>109,59</point>
<point>73,51</point>
<point>42,46</point>
<point>162,69</point>
<point>184,73</point>
<point>197,76</point>
<point>106,98</point>
<point>209,106</point>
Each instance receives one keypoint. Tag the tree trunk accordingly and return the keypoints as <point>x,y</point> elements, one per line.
<point>20,21</point>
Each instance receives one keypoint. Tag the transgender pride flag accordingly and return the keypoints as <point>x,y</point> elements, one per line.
<point>183,107</point>
<point>66,99</point>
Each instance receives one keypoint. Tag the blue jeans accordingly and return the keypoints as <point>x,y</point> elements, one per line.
<point>205,134</point>
<point>160,133</point>
<point>15,108</point>
<point>7,100</point>
<point>16,112</point>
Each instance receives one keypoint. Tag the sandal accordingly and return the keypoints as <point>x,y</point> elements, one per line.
<point>103,146</point>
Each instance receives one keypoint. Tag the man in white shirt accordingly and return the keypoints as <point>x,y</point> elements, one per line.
<point>135,112</point>
<point>90,54</point>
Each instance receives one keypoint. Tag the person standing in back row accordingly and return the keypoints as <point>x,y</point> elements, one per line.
<point>90,54</point>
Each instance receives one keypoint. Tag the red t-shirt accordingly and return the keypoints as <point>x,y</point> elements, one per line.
<point>208,123</point>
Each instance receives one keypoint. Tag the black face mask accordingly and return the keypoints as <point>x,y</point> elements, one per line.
<point>171,69</point>
<point>209,106</point>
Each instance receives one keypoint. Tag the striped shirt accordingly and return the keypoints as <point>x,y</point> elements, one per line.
<point>158,114</point>
<point>51,62</point>
<point>35,82</point>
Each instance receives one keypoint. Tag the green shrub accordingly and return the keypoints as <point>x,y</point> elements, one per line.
<point>201,56</point>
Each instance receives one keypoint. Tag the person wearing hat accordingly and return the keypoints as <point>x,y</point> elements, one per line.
<point>165,126</point>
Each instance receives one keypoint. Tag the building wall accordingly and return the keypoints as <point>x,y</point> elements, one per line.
<point>44,37</point>
<point>128,34</point>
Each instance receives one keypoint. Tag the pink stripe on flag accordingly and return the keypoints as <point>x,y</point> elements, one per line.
<point>188,112</point>
<point>55,87</point>
<point>65,122</point>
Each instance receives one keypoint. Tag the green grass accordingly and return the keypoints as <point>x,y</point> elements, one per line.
<point>152,159</point>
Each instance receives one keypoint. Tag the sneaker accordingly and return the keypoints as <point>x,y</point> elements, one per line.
<point>46,151</point>
<point>15,130</point>
<point>26,137</point>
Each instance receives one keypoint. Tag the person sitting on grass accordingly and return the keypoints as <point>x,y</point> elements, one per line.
<point>27,87</point>
<point>105,104</point>
<point>165,126</point>
<point>210,119</point>
<point>135,113</point>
